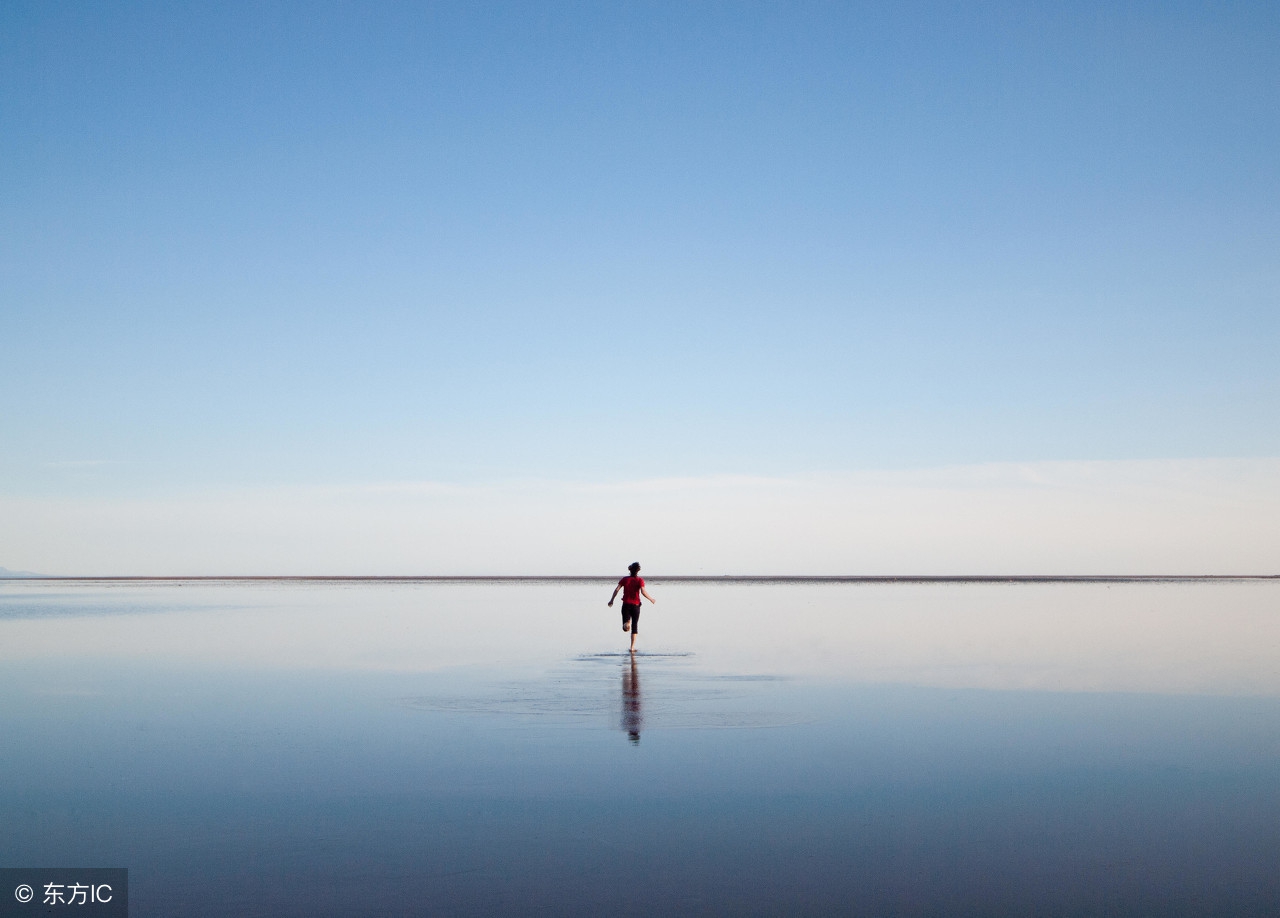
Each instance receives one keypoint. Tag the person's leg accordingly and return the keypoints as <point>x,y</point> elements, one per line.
<point>635,627</point>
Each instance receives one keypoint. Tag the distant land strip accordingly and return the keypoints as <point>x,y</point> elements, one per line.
<point>675,578</point>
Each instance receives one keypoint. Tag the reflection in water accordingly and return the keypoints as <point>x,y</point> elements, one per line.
<point>632,717</point>
<point>1011,636</point>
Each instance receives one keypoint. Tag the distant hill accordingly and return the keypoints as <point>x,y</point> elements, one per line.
<point>5,572</point>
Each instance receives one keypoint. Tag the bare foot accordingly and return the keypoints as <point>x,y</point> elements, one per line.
<point>626,627</point>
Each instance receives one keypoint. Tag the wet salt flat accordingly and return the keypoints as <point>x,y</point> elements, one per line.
<point>470,748</point>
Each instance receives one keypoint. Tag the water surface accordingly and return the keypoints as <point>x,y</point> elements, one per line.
<point>469,748</point>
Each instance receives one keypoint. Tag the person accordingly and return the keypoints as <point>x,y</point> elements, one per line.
<point>632,589</point>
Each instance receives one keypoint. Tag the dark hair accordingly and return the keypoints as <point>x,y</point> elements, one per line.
<point>634,566</point>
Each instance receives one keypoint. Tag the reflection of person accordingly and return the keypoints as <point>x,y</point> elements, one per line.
<point>632,589</point>
<point>632,719</point>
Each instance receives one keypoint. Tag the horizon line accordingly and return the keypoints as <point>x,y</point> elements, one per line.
<point>688,578</point>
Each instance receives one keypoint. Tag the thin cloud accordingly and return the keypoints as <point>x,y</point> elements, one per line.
<point>82,463</point>
<point>1161,517</point>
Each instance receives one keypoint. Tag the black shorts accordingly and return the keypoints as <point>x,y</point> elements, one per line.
<point>631,614</point>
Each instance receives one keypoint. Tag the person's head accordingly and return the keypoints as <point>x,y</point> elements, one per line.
<point>634,567</point>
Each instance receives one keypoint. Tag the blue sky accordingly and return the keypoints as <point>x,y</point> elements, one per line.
<point>285,245</point>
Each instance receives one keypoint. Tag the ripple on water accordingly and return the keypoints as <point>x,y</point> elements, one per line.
<point>640,691</point>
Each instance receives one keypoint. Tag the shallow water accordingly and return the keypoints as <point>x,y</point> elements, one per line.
<point>470,748</point>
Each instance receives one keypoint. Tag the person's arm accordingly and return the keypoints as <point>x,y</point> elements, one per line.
<point>615,594</point>
<point>646,595</point>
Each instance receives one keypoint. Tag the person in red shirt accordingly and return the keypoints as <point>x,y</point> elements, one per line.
<point>632,589</point>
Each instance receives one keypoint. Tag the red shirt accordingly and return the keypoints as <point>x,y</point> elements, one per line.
<point>631,587</point>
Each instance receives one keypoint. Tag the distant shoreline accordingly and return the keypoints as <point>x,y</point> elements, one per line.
<point>609,578</point>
